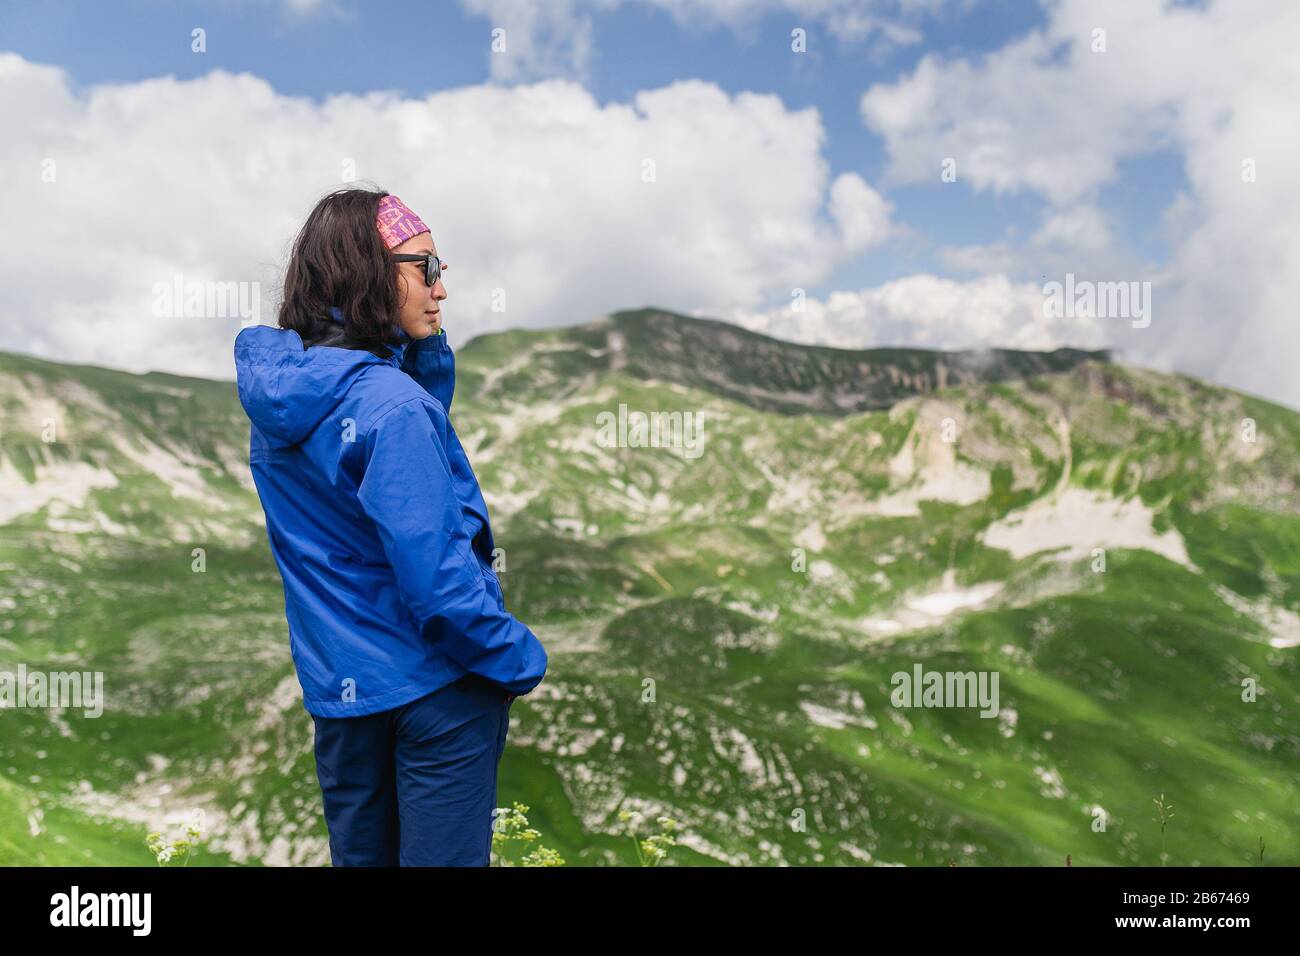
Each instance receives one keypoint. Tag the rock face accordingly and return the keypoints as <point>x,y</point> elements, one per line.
<point>1120,547</point>
<point>772,375</point>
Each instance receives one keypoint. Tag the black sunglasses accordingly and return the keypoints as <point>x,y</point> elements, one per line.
<point>432,265</point>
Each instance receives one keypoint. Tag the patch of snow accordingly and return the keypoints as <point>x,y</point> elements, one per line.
<point>1281,623</point>
<point>960,484</point>
<point>926,468</point>
<point>811,538</point>
<point>97,522</point>
<point>929,609</point>
<point>182,479</point>
<point>1076,521</point>
<point>792,493</point>
<point>940,604</point>
<point>64,481</point>
<point>830,579</point>
<point>859,854</point>
<point>824,716</point>
<point>767,615</point>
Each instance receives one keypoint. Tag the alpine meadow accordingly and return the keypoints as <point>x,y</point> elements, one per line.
<point>1107,556</point>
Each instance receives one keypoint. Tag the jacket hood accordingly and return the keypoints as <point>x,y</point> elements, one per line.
<point>286,389</point>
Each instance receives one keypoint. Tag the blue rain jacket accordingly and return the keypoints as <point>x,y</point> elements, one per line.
<point>377,524</point>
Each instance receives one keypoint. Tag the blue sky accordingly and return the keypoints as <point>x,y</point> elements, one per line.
<point>1119,163</point>
<point>348,48</point>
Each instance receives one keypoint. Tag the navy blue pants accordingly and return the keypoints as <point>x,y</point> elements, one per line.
<point>415,785</point>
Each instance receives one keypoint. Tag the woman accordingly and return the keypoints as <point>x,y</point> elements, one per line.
<point>407,656</point>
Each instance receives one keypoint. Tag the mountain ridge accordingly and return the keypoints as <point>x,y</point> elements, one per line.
<point>966,362</point>
<point>785,376</point>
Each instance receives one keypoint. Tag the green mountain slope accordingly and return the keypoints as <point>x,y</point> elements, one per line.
<point>1121,547</point>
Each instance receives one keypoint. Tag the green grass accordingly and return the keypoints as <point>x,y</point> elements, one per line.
<point>646,569</point>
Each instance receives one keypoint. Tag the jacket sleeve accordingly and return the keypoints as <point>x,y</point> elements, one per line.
<point>407,490</point>
<point>432,363</point>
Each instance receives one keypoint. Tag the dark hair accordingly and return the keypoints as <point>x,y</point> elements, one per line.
<point>339,259</point>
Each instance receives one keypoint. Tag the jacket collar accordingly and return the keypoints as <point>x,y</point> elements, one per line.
<point>398,348</point>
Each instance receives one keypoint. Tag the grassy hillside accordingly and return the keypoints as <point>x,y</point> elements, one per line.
<point>1119,546</point>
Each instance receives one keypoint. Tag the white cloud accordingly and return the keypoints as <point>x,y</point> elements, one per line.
<point>537,190</point>
<point>1048,116</point>
<point>1081,227</point>
<point>555,38</point>
<point>540,38</point>
<point>1080,239</point>
<point>861,213</point>
<point>926,311</point>
<point>847,20</point>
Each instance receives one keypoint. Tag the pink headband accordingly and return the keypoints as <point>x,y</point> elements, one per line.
<point>396,222</point>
